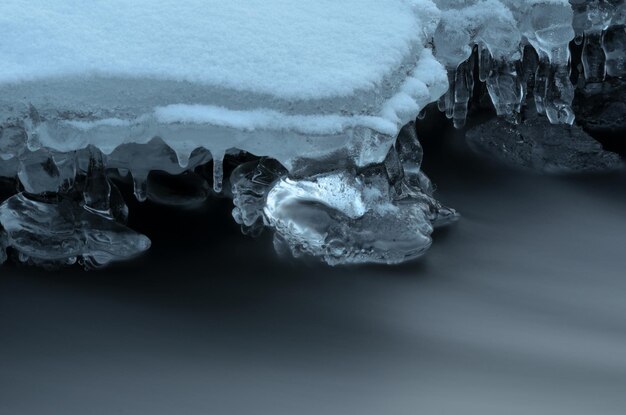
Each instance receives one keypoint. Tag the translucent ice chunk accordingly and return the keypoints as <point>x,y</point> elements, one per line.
<point>38,172</point>
<point>505,87</point>
<point>346,219</point>
<point>383,214</point>
<point>250,184</point>
<point>60,232</point>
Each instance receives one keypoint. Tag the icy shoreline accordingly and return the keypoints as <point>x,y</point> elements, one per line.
<point>322,94</point>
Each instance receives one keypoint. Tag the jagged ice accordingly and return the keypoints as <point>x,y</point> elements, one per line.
<point>324,92</point>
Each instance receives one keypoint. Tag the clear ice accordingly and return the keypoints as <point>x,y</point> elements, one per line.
<point>383,213</point>
<point>316,100</point>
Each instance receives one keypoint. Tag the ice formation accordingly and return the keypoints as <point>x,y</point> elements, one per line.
<point>323,93</point>
<point>501,30</point>
<point>383,213</point>
<point>521,49</point>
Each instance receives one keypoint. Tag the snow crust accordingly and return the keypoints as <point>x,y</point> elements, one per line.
<point>114,72</point>
<point>303,49</point>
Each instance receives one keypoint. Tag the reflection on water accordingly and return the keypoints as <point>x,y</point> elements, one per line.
<point>520,309</point>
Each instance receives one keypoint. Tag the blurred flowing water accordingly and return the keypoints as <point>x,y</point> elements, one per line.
<point>518,309</point>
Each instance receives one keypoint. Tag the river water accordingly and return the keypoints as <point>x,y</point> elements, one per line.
<point>518,309</point>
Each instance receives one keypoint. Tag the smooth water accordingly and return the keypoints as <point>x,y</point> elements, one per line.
<point>520,308</point>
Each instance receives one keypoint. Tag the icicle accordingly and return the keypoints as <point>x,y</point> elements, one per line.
<point>505,87</point>
<point>66,164</point>
<point>393,168</point>
<point>580,20</point>
<point>218,171</point>
<point>463,86</point>
<point>578,40</point>
<point>593,57</point>
<point>614,46</point>
<point>541,78</point>
<point>446,102</point>
<point>140,185</point>
<point>441,103</point>
<point>409,150</point>
<point>97,192</point>
<point>484,62</point>
<point>38,173</point>
<point>559,95</point>
<point>183,158</point>
<point>530,63</point>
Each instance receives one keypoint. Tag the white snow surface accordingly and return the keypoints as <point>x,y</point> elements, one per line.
<point>247,74</point>
<point>314,67</point>
<point>306,49</point>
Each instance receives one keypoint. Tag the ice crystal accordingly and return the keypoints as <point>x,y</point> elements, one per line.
<point>321,94</point>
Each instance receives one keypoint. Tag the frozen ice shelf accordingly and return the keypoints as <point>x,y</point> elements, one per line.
<point>137,87</point>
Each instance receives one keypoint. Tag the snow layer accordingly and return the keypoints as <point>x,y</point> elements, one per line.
<point>281,135</point>
<point>115,71</point>
<point>303,49</point>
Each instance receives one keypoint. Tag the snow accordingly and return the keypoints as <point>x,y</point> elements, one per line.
<point>114,71</point>
<point>289,49</point>
<point>265,119</point>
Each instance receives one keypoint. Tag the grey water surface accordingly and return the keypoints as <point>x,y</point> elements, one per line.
<point>518,309</point>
